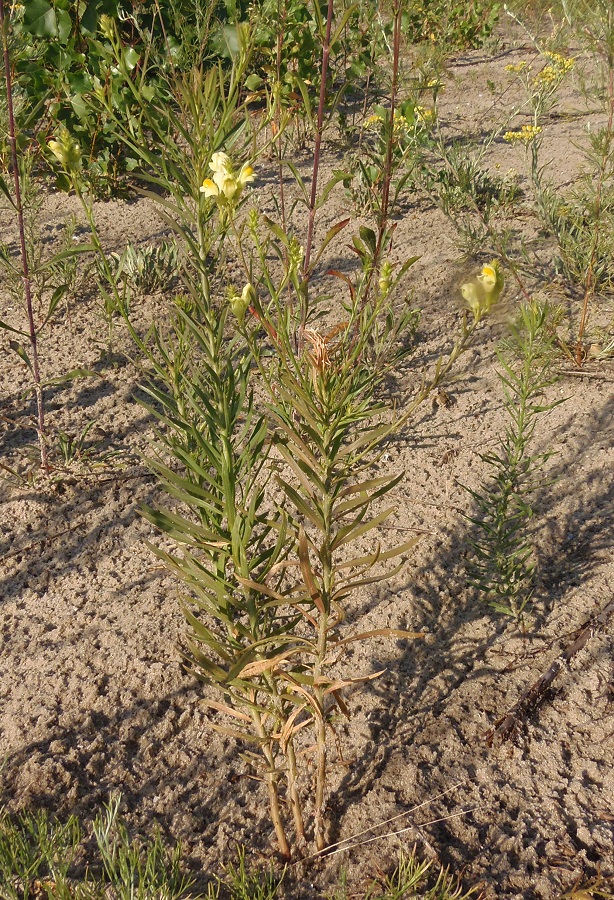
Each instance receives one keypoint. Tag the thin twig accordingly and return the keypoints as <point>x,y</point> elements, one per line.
<point>505,726</point>
<point>412,827</point>
<point>359,834</point>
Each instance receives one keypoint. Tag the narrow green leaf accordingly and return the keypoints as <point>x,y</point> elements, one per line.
<point>370,561</point>
<point>301,505</point>
<point>65,254</point>
<point>350,586</point>
<point>21,353</point>
<point>56,297</point>
<point>307,105</point>
<point>7,327</point>
<point>307,571</point>
<point>6,192</point>
<point>308,479</point>
<point>298,179</point>
<point>351,533</point>
<point>332,232</point>
<point>73,375</point>
<point>336,35</point>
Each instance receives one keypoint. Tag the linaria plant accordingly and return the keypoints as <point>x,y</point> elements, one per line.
<point>327,430</point>
<point>501,566</point>
<point>275,497</point>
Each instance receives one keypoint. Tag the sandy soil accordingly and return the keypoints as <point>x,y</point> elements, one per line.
<point>92,695</point>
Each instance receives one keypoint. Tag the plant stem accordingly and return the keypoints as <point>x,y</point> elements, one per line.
<point>383,233</point>
<point>589,288</point>
<point>383,218</point>
<point>325,556</point>
<point>271,780</point>
<point>281,18</point>
<point>295,801</point>
<point>38,388</point>
<point>316,160</point>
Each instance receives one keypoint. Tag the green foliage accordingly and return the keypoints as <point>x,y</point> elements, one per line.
<point>38,856</point>
<point>136,870</point>
<point>502,566</point>
<point>146,269</point>
<point>584,235</point>
<point>74,447</point>
<point>459,25</point>
<point>244,883</point>
<point>461,184</point>
<point>408,135</point>
<point>410,880</point>
<point>66,53</point>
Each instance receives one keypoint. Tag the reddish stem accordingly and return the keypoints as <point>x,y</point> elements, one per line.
<point>393,101</point>
<point>22,241</point>
<point>589,289</point>
<point>316,155</point>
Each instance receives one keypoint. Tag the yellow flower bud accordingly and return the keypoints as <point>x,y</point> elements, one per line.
<point>106,24</point>
<point>240,304</point>
<point>385,276</point>
<point>66,150</point>
<point>220,162</point>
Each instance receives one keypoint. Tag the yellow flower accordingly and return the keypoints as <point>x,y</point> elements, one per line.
<point>225,186</point>
<point>526,135</point>
<point>220,162</point>
<point>375,122</point>
<point>425,115</point>
<point>246,175</point>
<point>209,188</point>
<point>482,293</point>
<point>564,63</point>
<point>517,68</point>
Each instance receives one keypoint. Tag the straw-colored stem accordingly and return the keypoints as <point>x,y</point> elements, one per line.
<point>272,786</point>
<point>322,647</point>
<point>293,794</point>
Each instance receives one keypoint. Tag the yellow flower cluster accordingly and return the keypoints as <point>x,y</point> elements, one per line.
<point>562,63</point>
<point>517,68</point>
<point>552,74</point>
<point>482,293</point>
<point>425,115</point>
<point>548,76</point>
<point>400,123</point>
<point>422,114</point>
<point>526,135</point>
<point>226,186</point>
